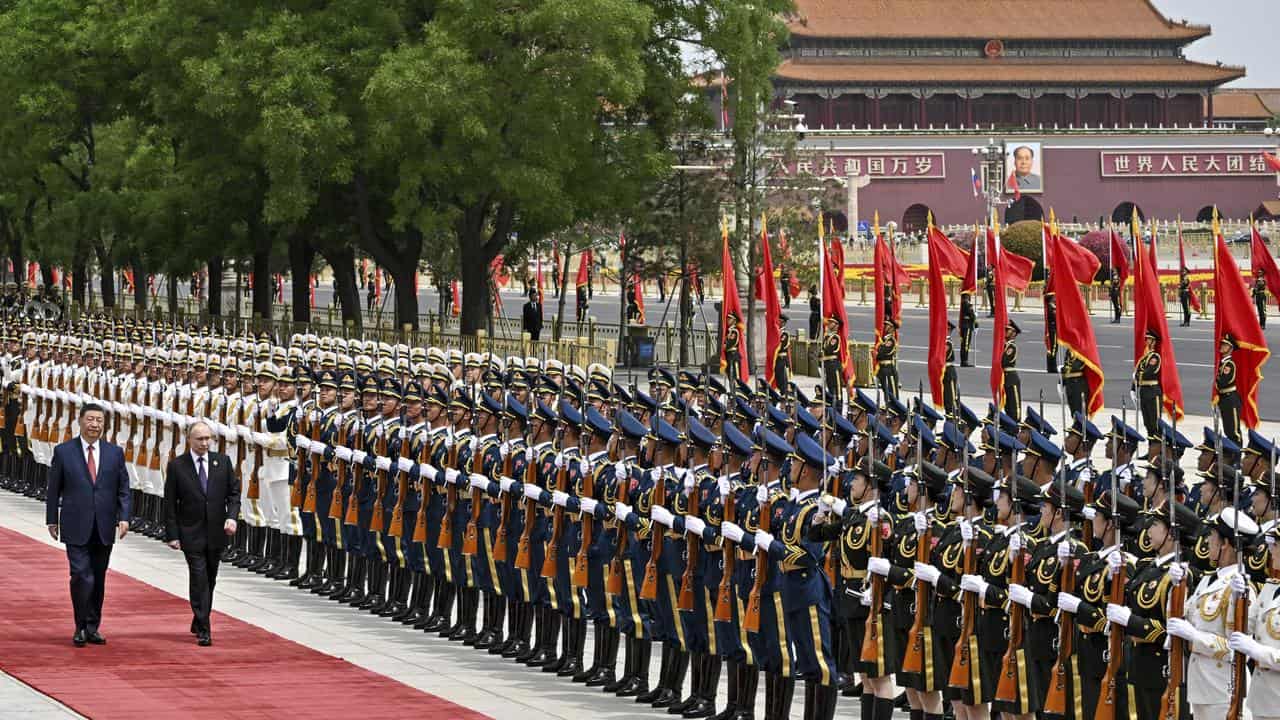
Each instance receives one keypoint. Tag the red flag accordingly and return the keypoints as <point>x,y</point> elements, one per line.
<point>731,311</point>
<point>637,289</point>
<point>887,271</point>
<point>970,282</point>
<point>54,273</point>
<point>1231,316</point>
<point>1075,331</point>
<point>33,269</point>
<point>1119,257</point>
<point>457,297</point>
<point>584,268</point>
<point>377,285</point>
<point>279,281</point>
<point>944,257</point>
<point>1263,262</point>
<point>1182,266</point>
<point>999,269</point>
<point>831,265</point>
<point>1012,184</point>
<point>1148,314</point>
<point>1272,161</point>
<point>772,306</point>
<point>1079,260</point>
<point>311,290</point>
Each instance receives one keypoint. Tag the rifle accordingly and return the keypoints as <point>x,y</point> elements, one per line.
<point>71,414</point>
<point>255,485</point>
<point>1056,698</point>
<point>724,597</point>
<point>504,509</point>
<point>1171,699</point>
<point>961,676</point>
<point>1008,688</point>
<point>445,538</point>
<point>339,475</point>
<point>913,661</point>
<point>692,546</point>
<point>173,427</point>
<point>141,457</point>
<point>649,589</point>
<point>1115,633</point>
<point>352,516</point>
<point>397,511</point>
<point>1240,623</point>
<point>552,556</point>
<point>524,560</point>
<point>614,576</point>
<point>314,418</point>
<point>378,521</point>
<point>471,535</point>
<point>752,620</point>
<point>579,575</point>
<point>873,637</point>
<point>129,450</point>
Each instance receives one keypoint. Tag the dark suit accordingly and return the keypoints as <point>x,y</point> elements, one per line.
<point>90,509</point>
<point>195,517</point>
<point>532,320</point>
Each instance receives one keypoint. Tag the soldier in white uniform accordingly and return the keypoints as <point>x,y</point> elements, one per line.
<point>1263,644</point>
<point>1210,615</point>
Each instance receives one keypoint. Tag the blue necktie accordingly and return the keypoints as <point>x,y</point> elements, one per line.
<point>204,477</point>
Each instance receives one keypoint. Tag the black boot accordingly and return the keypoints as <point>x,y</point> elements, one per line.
<point>695,685</point>
<point>576,632</point>
<point>521,630</point>
<point>597,651</point>
<point>337,573</point>
<point>512,610</point>
<point>484,639</point>
<point>705,703</point>
<point>675,682</point>
<point>639,683</point>
<point>916,714</point>
<point>604,674</point>
<point>883,709</point>
<point>430,591</point>
<point>377,584</point>
<point>248,548</point>
<point>358,570</point>
<point>541,653</point>
<point>820,701</point>
<point>664,672</point>
<point>731,700</point>
<point>418,591</point>
<point>559,638</point>
<point>468,606</point>
<point>317,555</point>
<point>497,624</point>
<point>270,561</point>
<point>628,668</point>
<point>398,600</point>
<point>443,609</point>
<point>748,682</point>
<point>290,558</point>
<point>784,691</point>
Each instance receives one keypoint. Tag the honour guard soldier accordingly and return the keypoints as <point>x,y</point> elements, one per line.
<point>630,619</point>
<point>887,359</point>
<point>1184,296</point>
<point>1078,445</point>
<point>989,286</point>
<point>1050,331</point>
<point>1225,384</point>
<point>322,533</point>
<point>1262,645</point>
<point>584,499</point>
<point>1122,446</point>
<point>1009,362</point>
<point>1210,613</point>
<point>782,357</point>
<point>1260,297</point>
<point>1074,384</point>
<point>831,355</point>
<point>412,443</point>
<point>1146,382</point>
<point>482,522</point>
<point>1113,292</point>
<point>968,325</point>
<point>950,379</point>
<point>732,344</point>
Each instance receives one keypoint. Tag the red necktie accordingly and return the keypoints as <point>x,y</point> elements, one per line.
<point>93,467</point>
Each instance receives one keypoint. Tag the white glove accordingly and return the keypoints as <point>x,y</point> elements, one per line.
<point>1238,584</point>
<point>1064,551</point>
<point>763,540</point>
<point>1015,543</point>
<point>528,454</point>
<point>1176,572</point>
<point>559,497</point>
<point>1114,562</point>
<point>966,530</point>
<point>317,448</point>
<point>404,433</point>
<point>878,566</point>
<point>358,456</point>
<point>1020,594</point>
<point>661,515</point>
<point>973,584</point>
<point>1180,628</point>
<point>302,442</point>
<point>722,485</point>
<point>473,444</point>
<point>504,449</point>
<point>927,573</point>
<point>922,522</point>
<point>874,513</point>
<point>559,462</point>
<point>404,464</point>
<point>1120,614</point>
<point>452,477</point>
<point>695,526</point>
<point>383,463</point>
<point>588,505</point>
<point>1068,602</point>
<point>1244,643</point>
<point>621,511</point>
<point>428,471</point>
<point>620,470</point>
<point>584,466</point>
<point>865,597</point>
<point>342,453</point>
<point>533,492</point>
<point>1088,512</point>
<point>182,421</point>
<point>505,483</point>
<point>658,474</point>
<point>479,482</point>
<point>838,506</point>
<point>731,531</point>
<point>762,495</point>
<point>1133,397</point>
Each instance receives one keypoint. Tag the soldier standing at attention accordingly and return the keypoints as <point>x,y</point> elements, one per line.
<point>1146,380</point>
<point>1260,298</point>
<point>968,323</point>
<point>1114,292</point>
<point>1184,296</point>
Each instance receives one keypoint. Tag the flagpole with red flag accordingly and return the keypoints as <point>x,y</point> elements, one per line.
<point>1000,310</point>
<point>1251,353</point>
<point>730,305</point>
<point>944,258</point>
<point>768,291</point>
<point>1262,261</point>
<point>1148,314</point>
<point>831,268</point>
<point>1075,331</point>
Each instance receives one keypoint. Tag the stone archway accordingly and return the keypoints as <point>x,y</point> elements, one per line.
<point>1024,208</point>
<point>1123,213</point>
<point>916,219</point>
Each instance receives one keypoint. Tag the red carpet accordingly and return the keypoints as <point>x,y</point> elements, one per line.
<point>151,666</point>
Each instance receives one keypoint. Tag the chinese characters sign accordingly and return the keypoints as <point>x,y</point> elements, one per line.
<point>882,166</point>
<point>1184,163</point>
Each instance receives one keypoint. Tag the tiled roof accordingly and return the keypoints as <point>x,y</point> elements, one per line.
<point>1004,72</point>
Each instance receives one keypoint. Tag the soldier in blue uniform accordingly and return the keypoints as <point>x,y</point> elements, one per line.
<point>337,533</point>
<point>387,563</point>
<point>597,471</point>
<point>361,540</point>
<point>486,465</point>
<point>566,598</point>
<point>509,525</point>
<point>627,617</point>
<point>1078,447</point>
<point>542,452</point>
<point>461,415</point>
<point>430,451</point>
<point>1122,446</point>
<point>414,581</point>
<point>322,552</point>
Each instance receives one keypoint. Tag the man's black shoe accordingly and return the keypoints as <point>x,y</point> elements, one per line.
<point>79,639</point>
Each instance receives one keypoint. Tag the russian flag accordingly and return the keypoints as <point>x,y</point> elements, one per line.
<point>976,181</point>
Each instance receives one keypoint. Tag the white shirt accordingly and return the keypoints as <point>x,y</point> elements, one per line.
<point>195,461</point>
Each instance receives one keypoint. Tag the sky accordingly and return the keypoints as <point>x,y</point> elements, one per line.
<point>1243,34</point>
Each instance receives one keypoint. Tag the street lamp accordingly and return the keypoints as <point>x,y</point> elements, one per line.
<point>991,157</point>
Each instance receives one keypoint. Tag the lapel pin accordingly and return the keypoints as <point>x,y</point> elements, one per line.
<point>214,463</point>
